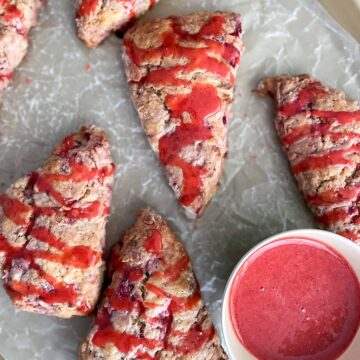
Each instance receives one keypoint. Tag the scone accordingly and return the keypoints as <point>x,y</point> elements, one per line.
<point>52,228</point>
<point>181,72</point>
<point>16,19</point>
<point>319,129</point>
<point>96,19</point>
<point>152,308</point>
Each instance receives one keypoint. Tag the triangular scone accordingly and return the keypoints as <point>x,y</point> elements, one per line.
<point>96,19</point>
<point>152,308</point>
<point>181,73</point>
<point>320,130</point>
<point>16,19</point>
<point>52,228</point>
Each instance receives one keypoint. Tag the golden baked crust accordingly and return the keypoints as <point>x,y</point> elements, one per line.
<point>152,308</point>
<point>52,228</point>
<point>320,130</point>
<point>181,72</point>
<point>96,19</point>
<point>16,19</point>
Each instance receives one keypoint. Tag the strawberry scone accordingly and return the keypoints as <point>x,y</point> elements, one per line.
<point>16,19</point>
<point>319,129</point>
<point>96,19</point>
<point>52,228</point>
<point>152,308</point>
<point>181,72</point>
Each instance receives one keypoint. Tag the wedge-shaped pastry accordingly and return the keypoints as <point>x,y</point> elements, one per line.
<point>96,19</point>
<point>320,131</point>
<point>181,72</point>
<point>16,19</point>
<point>152,308</point>
<point>52,228</point>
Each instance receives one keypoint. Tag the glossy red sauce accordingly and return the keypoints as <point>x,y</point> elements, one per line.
<point>154,243</point>
<point>335,157</point>
<point>25,215</point>
<point>305,100</point>
<point>121,299</point>
<point>295,299</point>
<point>202,101</point>
<point>87,7</point>
<point>6,77</point>
<point>326,124</point>
<point>15,210</point>
<point>12,16</point>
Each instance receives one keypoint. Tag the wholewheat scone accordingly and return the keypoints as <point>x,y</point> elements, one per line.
<point>319,129</point>
<point>96,19</point>
<point>181,72</point>
<point>152,308</point>
<point>52,228</point>
<point>16,19</point>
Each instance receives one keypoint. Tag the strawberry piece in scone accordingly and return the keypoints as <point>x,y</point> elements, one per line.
<point>52,228</point>
<point>96,19</point>
<point>181,72</point>
<point>16,19</point>
<point>152,308</point>
<point>319,129</point>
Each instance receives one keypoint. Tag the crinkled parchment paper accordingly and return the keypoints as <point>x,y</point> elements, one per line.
<point>61,85</point>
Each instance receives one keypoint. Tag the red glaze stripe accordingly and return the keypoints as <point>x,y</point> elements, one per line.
<point>334,196</point>
<point>337,157</point>
<point>124,342</point>
<point>337,215</point>
<point>174,270</point>
<point>79,173</point>
<point>87,7</point>
<point>12,16</point>
<point>305,99</point>
<point>201,103</point>
<point>16,211</point>
<point>154,243</point>
<point>193,340</point>
<point>79,256</point>
<point>327,121</point>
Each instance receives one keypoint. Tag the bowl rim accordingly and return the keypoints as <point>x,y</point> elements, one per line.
<point>312,234</point>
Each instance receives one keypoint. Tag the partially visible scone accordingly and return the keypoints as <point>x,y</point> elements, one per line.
<point>152,308</point>
<point>52,228</point>
<point>96,19</point>
<point>320,131</point>
<point>16,19</point>
<point>181,72</point>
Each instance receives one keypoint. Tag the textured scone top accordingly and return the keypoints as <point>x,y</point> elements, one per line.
<point>181,71</point>
<point>52,228</point>
<point>152,308</point>
<point>96,19</point>
<point>320,132</point>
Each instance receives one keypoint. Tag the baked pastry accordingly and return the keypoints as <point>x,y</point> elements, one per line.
<point>319,129</point>
<point>52,228</point>
<point>181,72</point>
<point>16,19</point>
<point>152,308</point>
<point>96,19</point>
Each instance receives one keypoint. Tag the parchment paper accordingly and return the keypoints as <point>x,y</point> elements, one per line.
<point>61,85</point>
